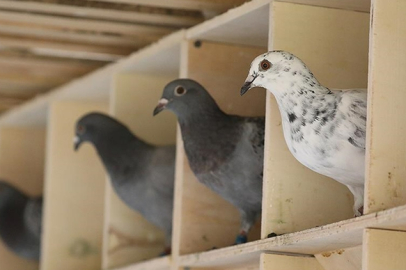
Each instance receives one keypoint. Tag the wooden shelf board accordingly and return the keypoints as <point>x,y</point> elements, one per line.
<point>163,263</point>
<point>96,85</point>
<point>343,234</point>
<point>244,25</point>
<point>356,5</point>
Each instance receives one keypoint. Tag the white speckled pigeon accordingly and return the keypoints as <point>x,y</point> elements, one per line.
<point>20,222</point>
<point>324,129</point>
<point>141,174</point>
<point>225,152</point>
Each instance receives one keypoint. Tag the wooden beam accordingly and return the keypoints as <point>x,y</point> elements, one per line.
<point>356,5</point>
<point>119,41</point>
<point>17,42</point>
<point>69,24</point>
<point>212,5</point>
<point>123,15</point>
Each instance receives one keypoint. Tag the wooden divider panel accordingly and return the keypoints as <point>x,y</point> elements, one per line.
<point>386,145</point>
<point>22,151</point>
<point>284,262</point>
<point>74,193</point>
<point>384,250</point>
<point>348,259</point>
<point>334,44</point>
<point>129,237</point>
<point>203,219</point>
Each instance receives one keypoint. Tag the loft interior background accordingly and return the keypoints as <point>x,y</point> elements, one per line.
<point>46,43</point>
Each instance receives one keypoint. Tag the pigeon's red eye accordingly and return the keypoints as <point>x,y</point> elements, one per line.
<point>265,65</point>
<point>80,129</point>
<point>180,90</point>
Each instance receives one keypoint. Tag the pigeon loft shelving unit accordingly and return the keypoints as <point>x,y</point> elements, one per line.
<point>346,43</point>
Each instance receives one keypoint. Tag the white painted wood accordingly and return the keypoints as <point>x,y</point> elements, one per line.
<point>74,193</point>
<point>386,140</point>
<point>348,259</point>
<point>245,25</point>
<point>384,250</point>
<point>336,236</point>
<point>284,262</point>
<point>163,263</point>
<point>356,5</point>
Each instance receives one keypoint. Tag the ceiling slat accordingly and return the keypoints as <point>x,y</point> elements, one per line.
<point>206,5</point>
<point>67,24</point>
<point>86,38</point>
<point>101,14</point>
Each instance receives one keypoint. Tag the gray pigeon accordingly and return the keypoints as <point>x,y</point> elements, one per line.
<point>324,129</point>
<point>225,152</point>
<point>20,222</point>
<point>141,174</point>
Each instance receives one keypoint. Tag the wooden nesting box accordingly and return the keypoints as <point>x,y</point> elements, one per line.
<point>347,44</point>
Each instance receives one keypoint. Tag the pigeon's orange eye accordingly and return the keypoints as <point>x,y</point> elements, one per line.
<point>80,129</point>
<point>265,65</point>
<point>180,90</point>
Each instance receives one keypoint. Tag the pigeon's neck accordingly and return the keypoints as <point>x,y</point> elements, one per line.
<point>122,154</point>
<point>205,134</point>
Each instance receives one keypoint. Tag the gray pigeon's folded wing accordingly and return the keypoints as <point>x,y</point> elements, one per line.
<point>33,216</point>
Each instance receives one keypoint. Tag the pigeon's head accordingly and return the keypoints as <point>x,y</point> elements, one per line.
<point>5,187</point>
<point>94,127</point>
<point>184,97</point>
<point>273,69</point>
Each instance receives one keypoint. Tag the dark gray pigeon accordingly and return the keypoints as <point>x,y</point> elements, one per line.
<point>20,222</point>
<point>141,174</point>
<point>225,152</point>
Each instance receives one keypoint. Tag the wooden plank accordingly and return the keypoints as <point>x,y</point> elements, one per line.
<point>72,36</point>
<point>336,236</point>
<point>215,222</point>
<point>101,14</point>
<point>384,250</point>
<point>356,5</point>
<point>143,32</point>
<point>131,238</point>
<point>283,262</point>
<point>13,41</point>
<point>210,5</point>
<point>74,193</point>
<point>237,26</point>
<point>326,40</point>
<point>22,152</point>
<point>155,264</point>
<point>349,259</point>
<point>386,143</point>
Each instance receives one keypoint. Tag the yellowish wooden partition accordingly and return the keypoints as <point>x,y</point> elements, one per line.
<point>129,237</point>
<point>74,193</point>
<point>286,262</point>
<point>386,140</point>
<point>202,219</point>
<point>384,250</point>
<point>22,151</point>
<point>334,44</point>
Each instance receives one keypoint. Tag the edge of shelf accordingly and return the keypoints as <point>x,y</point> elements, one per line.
<point>163,263</point>
<point>343,234</point>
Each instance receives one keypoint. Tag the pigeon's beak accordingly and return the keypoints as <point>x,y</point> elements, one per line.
<point>161,106</point>
<point>248,84</point>
<point>77,141</point>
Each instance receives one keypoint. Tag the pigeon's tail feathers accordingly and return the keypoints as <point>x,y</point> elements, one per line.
<point>33,216</point>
